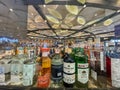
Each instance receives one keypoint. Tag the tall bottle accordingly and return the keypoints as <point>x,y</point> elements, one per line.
<point>57,70</point>
<point>68,71</point>
<point>82,75</point>
<point>45,72</point>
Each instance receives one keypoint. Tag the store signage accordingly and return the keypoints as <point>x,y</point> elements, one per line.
<point>117,30</point>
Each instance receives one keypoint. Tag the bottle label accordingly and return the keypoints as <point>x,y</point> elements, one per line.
<point>2,77</point>
<point>102,60</point>
<point>115,72</point>
<point>94,74</point>
<point>83,65</point>
<point>70,79</point>
<point>26,81</point>
<point>83,75</point>
<point>20,51</point>
<point>69,67</point>
<point>56,71</point>
<point>45,54</point>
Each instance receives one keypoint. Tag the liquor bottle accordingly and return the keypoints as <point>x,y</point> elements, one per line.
<point>57,70</point>
<point>82,75</point>
<point>44,74</point>
<point>68,71</point>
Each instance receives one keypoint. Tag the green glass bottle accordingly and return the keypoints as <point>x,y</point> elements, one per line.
<point>82,73</point>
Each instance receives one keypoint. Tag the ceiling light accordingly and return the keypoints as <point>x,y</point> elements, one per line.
<point>81,20</point>
<point>94,25</point>
<point>0,20</point>
<point>32,14</point>
<point>44,5</point>
<point>84,5</point>
<point>17,27</point>
<point>96,14</point>
<point>48,1</point>
<point>11,9</point>
<point>45,20</point>
<point>108,22</point>
<point>81,1</point>
<point>118,11</point>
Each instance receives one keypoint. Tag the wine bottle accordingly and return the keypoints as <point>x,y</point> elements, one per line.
<point>68,71</point>
<point>82,75</point>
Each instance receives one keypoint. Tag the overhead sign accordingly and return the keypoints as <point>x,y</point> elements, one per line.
<point>117,31</point>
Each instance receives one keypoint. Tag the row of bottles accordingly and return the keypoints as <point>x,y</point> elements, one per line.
<point>70,69</point>
<point>56,68</point>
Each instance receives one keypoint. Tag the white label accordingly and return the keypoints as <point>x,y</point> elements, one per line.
<point>69,67</point>
<point>94,74</point>
<point>20,51</point>
<point>115,72</point>
<point>26,81</point>
<point>8,52</point>
<point>2,77</point>
<point>57,50</point>
<point>69,78</point>
<point>85,65</point>
<point>83,75</point>
<point>102,60</point>
<point>15,78</point>
<point>45,54</point>
<point>59,74</point>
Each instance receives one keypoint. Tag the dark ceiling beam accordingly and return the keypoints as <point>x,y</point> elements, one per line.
<point>38,9</point>
<point>105,32</point>
<point>108,4</point>
<point>35,30</point>
<point>101,20</point>
<point>44,35</point>
<point>77,29</point>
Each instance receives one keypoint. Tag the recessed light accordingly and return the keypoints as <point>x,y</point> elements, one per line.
<point>32,14</point>
<point>118,11</point>
<point>84,5</point>
<point>17,27</point>
<point>94,25</point>
<point>108,22</point>
<point>44,5</point>
<point>96,14</point>
<point>1,20</point>
<point>11,9</point>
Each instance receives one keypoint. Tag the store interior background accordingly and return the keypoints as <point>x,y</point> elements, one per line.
<point>35,20</point>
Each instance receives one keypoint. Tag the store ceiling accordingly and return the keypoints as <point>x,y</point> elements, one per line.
<point>59,18</point>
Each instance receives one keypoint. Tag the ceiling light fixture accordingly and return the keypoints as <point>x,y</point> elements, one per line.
<point>94,25</point>
<point>45,20</point>
<point>82,1</point>
<point>32,14</point>
<point>85,6</point>
<point>118,11</point>
<point>108,22</point>
<point>17,27</point>
<point>96,14</point>
<point>44,5</point>
<point>11,10</point>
